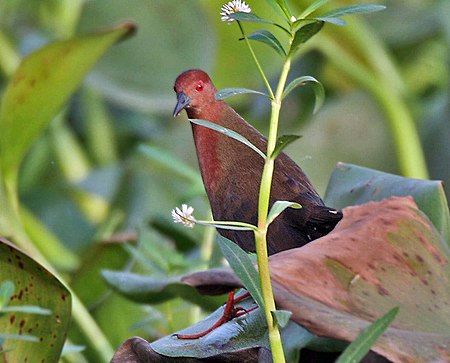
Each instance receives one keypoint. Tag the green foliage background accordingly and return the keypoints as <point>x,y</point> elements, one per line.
<point>115,162</point>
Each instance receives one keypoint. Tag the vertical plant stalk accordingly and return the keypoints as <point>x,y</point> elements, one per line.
<point>409,150</point>
<point>276,345</point>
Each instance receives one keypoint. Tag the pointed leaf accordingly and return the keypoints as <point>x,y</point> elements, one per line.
<point>361,345</point>
<point>278,207</point>
<point>41,85</point>
<point>311,8</point>
<point>243,267</point>
<point>284,7</point>
<point>319,91</point>
<point>153,290</point>
<point>230,92</point>
<point>229,133</point>
<point>251,17</point>
<point>306,32</point>
<point>333,16</point>
<point>281,317</point>
<point>282,142</point>
<point>268,38</point>
<point>353,185</point>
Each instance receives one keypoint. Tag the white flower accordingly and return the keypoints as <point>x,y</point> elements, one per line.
<point>235,6</point>
<point>184,215</point>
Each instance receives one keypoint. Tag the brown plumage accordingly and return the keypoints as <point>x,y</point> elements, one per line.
<point>231,173</point>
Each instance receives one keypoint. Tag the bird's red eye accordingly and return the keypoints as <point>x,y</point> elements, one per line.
<point>199,86</point>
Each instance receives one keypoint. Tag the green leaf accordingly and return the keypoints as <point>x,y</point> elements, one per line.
<point>281,317</point>
<point>353,185</point>
<point>284,7</point>
<point>229,92</point>
<point>305,33</point>
<point>36,289</point>
<point>41,85</point>
<point>268,38</point>
<point>229,133</point>
<point>361,345</point>
<point>230,225</point>
<point>251,17</point>
<point>278,207</point>
<point>6,291</point>
<point>319,91</point>
<point>311,8</point>
<point>333,16</point>
<point>241,16</point>
<point>282,142</point>
<point>152,290</point>
<point>243,267</point>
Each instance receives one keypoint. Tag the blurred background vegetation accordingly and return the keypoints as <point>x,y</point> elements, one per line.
<point>114,163</point>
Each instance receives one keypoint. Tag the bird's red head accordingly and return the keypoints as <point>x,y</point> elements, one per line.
<point>195,91</point>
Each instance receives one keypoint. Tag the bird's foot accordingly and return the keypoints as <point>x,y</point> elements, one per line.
<point>230,312</point>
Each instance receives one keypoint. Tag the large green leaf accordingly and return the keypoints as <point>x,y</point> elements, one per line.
<point>37,287</point>
<point>352,185</point>
<point>41,86</point>
<point>153,290</point>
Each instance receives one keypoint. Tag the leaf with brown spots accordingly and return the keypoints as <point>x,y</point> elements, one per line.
<point>381,255</point>
<point>34,286</point>
<point>42,84</point>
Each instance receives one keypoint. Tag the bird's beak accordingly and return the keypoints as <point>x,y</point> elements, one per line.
<point>183,102</point>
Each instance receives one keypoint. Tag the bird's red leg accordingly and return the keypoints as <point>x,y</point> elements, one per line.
<point>229,313</point>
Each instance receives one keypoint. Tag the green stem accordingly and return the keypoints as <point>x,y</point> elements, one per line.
<point>255,59</point>
<point>263,210</point>
<point>276,345</point>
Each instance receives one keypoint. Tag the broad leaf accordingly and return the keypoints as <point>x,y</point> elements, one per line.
<point>37,291</point>
<point>352,185</point>
<point>229,133</point>
<point>243,268</point>
<point>282,142</point>
<point>333,16</point>
<point>319,91</point>
<point>152,290</point>
<point>230,92</point>
<point>266,37</point>
<point>41,86</point>
<point>278,207</point>
<point>361,345</point>
<point>305,33</point>
<point>380,255</point>
<point>236,341</point>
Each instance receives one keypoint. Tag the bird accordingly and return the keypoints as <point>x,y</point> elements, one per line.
<point>231,173</point>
